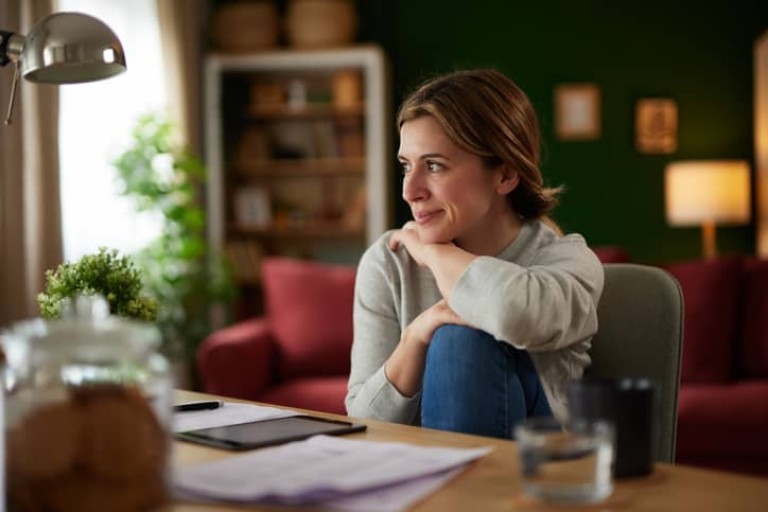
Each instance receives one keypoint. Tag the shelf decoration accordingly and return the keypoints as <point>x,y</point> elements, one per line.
<point>656,126</point>
<point>253,207</point>
<point>347,89</point>
<point>577,111</point>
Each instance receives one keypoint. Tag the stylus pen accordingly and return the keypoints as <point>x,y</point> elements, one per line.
<point>198,406</point>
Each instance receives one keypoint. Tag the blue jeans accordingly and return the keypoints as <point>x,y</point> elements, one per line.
<point>477,385</point>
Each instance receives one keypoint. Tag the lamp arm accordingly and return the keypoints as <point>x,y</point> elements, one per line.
<point>11,45</point>
<point>12,99</point>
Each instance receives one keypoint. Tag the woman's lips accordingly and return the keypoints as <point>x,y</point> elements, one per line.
<point>425,217</point>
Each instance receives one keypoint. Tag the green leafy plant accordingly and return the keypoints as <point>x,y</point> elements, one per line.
<point>164,178</point>
<point>106,273</point>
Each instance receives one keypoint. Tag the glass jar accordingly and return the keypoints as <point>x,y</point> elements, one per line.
<point>87,413</point>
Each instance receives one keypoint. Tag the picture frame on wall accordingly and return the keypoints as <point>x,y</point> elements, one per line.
<point>253,207</point>
<point>656,126</point>
<point>577,111</point>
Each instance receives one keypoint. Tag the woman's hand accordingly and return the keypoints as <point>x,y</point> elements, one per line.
<point>446,261</point>
<point>408,236</point>
<point>405,367</point>
<point>423,327</point>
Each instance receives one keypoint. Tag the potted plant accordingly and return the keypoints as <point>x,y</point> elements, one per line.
<point>105,273</point>
<point>187,279</point>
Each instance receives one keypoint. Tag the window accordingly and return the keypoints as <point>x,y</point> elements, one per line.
<point>96,120</point>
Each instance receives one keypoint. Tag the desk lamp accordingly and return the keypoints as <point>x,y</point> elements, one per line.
<point>707,193</point>
<point>62,48</point>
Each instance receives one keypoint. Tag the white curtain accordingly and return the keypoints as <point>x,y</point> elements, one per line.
<point>30,218</point>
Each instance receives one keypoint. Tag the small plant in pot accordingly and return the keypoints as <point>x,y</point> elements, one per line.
<point>106,273</point>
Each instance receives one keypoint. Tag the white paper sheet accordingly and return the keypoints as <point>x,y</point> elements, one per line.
<point>230,413</point>
<point>323,470</point>
<point>395,498</point>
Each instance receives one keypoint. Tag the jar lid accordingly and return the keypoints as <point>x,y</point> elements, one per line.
<point>86,331</point>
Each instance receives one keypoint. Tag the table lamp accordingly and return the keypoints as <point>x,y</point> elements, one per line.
<point>707,193</point>
<point>62,48</point>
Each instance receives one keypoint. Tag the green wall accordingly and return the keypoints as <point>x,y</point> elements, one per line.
<point>697,53</point>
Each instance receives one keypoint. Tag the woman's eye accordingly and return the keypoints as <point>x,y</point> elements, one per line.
<point>434,166</point>
<point>405,168</point>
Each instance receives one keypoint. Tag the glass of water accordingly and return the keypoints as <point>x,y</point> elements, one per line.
<point>567,464</point>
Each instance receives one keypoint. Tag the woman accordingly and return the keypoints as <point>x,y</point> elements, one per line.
<point>476,314</point>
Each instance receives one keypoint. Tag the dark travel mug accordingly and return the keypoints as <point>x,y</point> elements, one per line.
<point>629,403</point>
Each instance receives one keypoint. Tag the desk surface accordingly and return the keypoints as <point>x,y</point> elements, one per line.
<point>492,483</point>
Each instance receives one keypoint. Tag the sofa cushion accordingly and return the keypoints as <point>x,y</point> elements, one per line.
<point>611,254</point>
<point>314,393</point>
<point>725,421</point>
<point>710,293</point>
<point>237,360</point>
<point>752,355</point>
<point>310,307</point>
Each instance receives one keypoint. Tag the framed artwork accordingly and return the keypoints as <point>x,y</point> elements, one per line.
<point>577,111</point>
<point>253,207</point>
<point>656,125</point>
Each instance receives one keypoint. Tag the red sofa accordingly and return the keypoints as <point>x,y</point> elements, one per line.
<point>297,354</point>
<point>723,400</point>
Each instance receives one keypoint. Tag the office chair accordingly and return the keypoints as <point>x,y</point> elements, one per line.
<point>640,334</point>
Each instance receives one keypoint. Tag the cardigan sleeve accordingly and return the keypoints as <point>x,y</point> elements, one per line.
<point>376,335</point>
<point>547,305</point>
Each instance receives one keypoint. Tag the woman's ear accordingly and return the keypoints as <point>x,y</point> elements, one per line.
<point>507,180</point>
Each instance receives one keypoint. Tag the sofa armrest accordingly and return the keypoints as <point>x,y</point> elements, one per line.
<point>237,361</point>
<point>611,254</point>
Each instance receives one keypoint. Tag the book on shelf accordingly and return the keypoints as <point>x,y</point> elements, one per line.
<point>325,139</point>
<point>350,137</point>
<point>308,140</point>
<point>292,139</point>
<point>254,145</point>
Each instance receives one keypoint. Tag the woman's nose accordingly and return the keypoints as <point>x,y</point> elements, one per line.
<point>413,189</point>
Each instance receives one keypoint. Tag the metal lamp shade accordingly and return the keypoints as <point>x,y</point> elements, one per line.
<point>69,47</point>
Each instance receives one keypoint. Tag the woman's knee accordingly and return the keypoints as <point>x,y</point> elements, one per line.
<point>452,337</point>
<point>464,387</point>
<point>457,347</point>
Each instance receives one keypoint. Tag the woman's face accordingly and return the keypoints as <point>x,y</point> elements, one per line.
<point>453,197</point>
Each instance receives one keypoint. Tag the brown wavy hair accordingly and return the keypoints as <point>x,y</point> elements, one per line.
<point>486,113</point>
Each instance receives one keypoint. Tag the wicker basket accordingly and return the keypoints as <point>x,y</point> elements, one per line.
<point>246,26</point>
<point>320,23</point>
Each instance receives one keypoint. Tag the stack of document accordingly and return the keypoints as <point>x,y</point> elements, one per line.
<point>332,472</point>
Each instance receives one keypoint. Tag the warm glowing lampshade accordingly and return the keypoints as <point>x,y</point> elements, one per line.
<point>706,193</point>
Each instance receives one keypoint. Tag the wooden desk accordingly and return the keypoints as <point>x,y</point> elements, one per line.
<point>492,483</point>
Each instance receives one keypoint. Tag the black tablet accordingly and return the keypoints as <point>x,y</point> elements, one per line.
<point>257,434</point>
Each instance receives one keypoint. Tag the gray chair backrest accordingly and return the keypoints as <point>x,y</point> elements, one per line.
<point>640,334</point>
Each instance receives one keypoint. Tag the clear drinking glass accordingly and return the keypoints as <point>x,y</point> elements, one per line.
<point>568,464</point>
